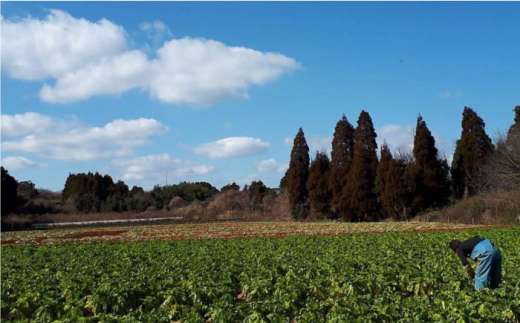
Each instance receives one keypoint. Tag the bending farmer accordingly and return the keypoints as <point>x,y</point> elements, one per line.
<point>489,261</point>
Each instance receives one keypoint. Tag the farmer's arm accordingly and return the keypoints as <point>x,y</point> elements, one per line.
<point>464,251</point>
<point>462,256</point>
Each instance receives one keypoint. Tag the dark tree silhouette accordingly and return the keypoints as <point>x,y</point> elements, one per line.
<point>382,169</point>
<point>256,193</point>
<point>119,188</point>
<point>8,188</point>
<point>473,148</point>
<point>359,197</point>
<point>89,188</point>
<point>297,176</point>
<point>457,172</point>
<point>341,159</point>
<point>283,181</point>
<point>514,130</point>
<point>26,191</point>
<point>233,186</point>
<point>136,190</point>
<point>427,178</point>
<point>393,193</point>
<point>318,185</point>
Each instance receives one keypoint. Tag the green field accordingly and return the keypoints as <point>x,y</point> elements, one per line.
<point>391,277</point>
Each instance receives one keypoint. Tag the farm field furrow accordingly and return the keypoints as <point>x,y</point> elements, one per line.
<point>391,277</point>
<point>216,230</point>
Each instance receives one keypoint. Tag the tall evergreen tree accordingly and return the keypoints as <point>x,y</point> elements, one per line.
<point>394,194</point>
<point>297,176</point>
<point>359,197</point>
<point>317,185</point>
<point>382,168</point>
<point>8,188</point>
<point>283,181</point>
<point>427,178</point>
<point>341,159</point>
<point>474,148</point>
<point>457,172</point>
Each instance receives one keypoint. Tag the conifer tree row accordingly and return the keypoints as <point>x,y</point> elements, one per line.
<point>357,186</point>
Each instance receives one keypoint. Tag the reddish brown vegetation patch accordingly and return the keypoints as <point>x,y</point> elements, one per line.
<point>8,242</point>
<point>90,234</point>
<point>230,230</point>
<point>460,229</point>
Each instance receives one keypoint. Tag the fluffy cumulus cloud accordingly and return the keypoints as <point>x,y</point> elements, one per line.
<point>72,141</point>
<point>232,147</point>
<point>270,165</point>
<point>153,168</point>
<point>24,124</point>
<point>90,58</point>
<point>111,75</point>
<point>18,162</point>
<point>203,72</point>
<point>35,49</point>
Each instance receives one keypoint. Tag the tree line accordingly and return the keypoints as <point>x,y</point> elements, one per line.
<point>96,193</point>
<point>355,185</point>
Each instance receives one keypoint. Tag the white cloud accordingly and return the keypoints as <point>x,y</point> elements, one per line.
<point>288,141</point>
<point>34,49</point>
<point>319,143</point>
<point>24,124</point>
<point>270,165</point>
<point>70,141</point>
<point>203,72</point>
<point>397,137</point>
<point>87,59</point>
<point>232,147</point>
<point>153,168</point>
<point>113,75</point>
<point>18,162</point>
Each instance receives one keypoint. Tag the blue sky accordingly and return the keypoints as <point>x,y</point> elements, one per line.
<point>211,91</point>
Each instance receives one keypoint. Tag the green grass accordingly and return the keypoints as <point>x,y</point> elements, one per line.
<point>393,277</point>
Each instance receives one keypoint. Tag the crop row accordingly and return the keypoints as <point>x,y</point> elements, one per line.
<point>405,277</point>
